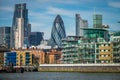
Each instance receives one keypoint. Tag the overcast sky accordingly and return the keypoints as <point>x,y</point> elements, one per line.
<point>43,12</point>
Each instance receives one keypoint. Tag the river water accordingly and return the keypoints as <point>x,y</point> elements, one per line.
<point>59,76</point>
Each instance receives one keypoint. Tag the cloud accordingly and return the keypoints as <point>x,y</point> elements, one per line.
<point>59,1</point>
<point>39,16</point>
<point>61,11</point>
<point>6,8</point>
<point>114,4</point>
<point>41,27</point>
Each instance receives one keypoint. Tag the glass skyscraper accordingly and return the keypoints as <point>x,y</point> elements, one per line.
<point>20,19</point>
<point>5,36</point>
<point>97,21</point>
<point>80,23</point>
<point>58,32</point>
<point>35,38</point>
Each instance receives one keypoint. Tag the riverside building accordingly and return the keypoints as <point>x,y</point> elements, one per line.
<point>69,49</point>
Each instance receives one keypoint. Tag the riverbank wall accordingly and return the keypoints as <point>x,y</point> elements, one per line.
<point>80,68</point>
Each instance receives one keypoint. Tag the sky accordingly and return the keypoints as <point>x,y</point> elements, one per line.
<point>42,13</point>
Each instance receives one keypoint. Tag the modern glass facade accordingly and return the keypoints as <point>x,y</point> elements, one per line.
<point>10,58</point>
<point>115,39</point>
<point>97,21</point>
<point>5,33</point>
<point>96,33</point>
<point>80,23</point>
<point>20,12</point>
<point>35,38</point>
<point>78,18</point>
<point>69,49</point>
<point>87,50</point>
<point>58,32</point>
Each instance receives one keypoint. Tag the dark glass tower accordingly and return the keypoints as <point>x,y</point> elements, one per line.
<point>35,38</point>
<point>20,11</point>
<point>58,32</point>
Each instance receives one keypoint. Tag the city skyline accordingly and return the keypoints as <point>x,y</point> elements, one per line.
<point>42,13</point>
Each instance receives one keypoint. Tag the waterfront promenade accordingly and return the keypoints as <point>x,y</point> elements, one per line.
<point>80,67</point>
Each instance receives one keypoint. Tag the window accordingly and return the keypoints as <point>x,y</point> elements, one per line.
<point>102,61</point>
<point>102,45</point>
<point>102,50</point>
<point>106,55</point>
<point>106,50</point>
<point>102,55</point>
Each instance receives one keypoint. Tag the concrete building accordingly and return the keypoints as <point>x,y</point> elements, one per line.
<point>2,51</point>
<point>24,58</point>
<point>38,56</point>
<point>54,56</point>
<point>105,52</point>
<point>18,58</point>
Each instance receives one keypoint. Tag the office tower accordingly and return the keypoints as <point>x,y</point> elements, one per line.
<point>19,33</point>
<point>97,21</point>
<point>29,29</point>
<point>5,36</point>
<point>78,18</point>
<point>58,32</point>
<point>80,23</point>
<point>20,14</point>
<point>35,38</point>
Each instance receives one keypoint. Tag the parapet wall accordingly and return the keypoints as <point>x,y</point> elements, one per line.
<point>80,67</point>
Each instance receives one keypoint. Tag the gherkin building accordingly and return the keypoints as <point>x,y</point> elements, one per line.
<point>58,32</point>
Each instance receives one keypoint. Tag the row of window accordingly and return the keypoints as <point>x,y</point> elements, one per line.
<point>104,55</point>
<point>104,50</point>
<point>105,45</point>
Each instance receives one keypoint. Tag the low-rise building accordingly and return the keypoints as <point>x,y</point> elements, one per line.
<point>105,52</point>
<point>69,49</point>
<point>38,56</point>
<point>87,50</point>
<point>24,58</point>
<point>10,58</point>
<point>115,39</point>
<point>55,56</point>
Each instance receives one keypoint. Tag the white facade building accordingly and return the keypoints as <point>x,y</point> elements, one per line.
<point>19,33</point>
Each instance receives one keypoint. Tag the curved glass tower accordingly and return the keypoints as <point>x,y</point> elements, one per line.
<point>58,32</point>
